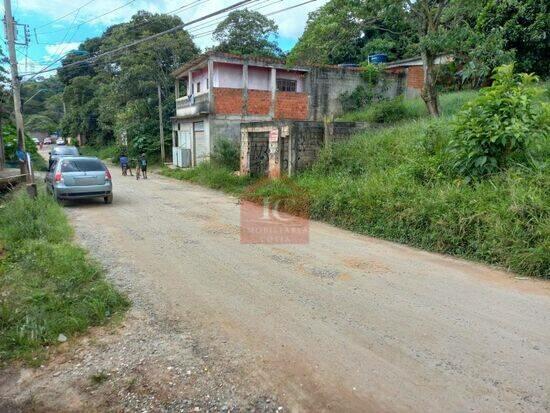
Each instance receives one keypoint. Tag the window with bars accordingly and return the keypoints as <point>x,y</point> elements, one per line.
<point>286,85</point>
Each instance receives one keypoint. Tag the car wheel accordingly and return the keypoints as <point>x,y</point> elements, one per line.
<point>108,199</point>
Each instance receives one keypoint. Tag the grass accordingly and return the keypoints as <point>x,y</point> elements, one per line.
<point>49,286</point>
<point>213,176</point>
<point>393,184</point>
<point>110,152</point>
<point>397,183</point>
<point>408,109</point>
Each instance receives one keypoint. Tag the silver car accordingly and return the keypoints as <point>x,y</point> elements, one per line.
<point>77,177</point>
<point>60,151</point>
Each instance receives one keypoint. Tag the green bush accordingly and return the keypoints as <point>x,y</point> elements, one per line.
<point>498,125</point>
<point>10,142</point>
<point>227,154</point>
<point>357,99</point>
<point>387,111</point>
<point>110,152</point>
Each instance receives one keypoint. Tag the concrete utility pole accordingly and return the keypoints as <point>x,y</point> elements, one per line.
<point>15,84</point>
<point>162,155</point>
<point>10,37</point>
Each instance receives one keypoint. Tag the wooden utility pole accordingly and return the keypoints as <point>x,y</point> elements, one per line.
<point>162,155</point>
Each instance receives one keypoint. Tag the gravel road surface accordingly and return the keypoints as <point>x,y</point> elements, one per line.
<point>342,323</point>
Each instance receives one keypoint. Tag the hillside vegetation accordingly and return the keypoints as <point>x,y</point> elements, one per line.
<point>399,183</point>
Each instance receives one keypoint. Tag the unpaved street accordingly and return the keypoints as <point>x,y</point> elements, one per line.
<point>343,323</point>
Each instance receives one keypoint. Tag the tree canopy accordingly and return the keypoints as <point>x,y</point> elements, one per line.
<point>119,94</point>
<point>248,33</point>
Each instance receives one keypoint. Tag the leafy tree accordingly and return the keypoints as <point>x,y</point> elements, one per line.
<point>523,25</point>
<point>40,123</point>
<point>499,124</point>
<point>119,93</point>
<point>43,107</point>
<point>4,107</point>
<point>346,31</point>
<point>248,33</point>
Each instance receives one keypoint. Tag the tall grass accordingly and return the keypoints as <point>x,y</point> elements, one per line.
<point>408,109</point>
<point>397,184</point>
<point>213,176</point>
<point>48,285</point>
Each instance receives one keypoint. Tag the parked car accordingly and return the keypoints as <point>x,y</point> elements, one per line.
<point>47,141</point>
<point>59,151</point>
<point>79,177</point>
<point>60,141</point>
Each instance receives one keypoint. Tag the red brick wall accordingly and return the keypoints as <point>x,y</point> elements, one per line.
<point>228,101</point>
<point>415,77</point>
<point>259,102</point>
<point>291,105</point>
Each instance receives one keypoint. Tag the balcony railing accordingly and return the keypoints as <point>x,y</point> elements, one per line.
<point>192,105</point>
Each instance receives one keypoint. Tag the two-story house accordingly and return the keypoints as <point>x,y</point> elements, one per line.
<point>216,92</point>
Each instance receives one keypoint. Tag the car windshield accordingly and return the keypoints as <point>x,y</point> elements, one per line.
<point>65,150</point>
<point>81,165</point>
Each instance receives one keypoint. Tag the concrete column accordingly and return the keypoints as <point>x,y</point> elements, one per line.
<point>245,155</point>
<point>273,81</point>
<point>274,164</point>
<point>211,85</point>
<point>245,89</point>
<point>177,88</point>
<point>189,83</point>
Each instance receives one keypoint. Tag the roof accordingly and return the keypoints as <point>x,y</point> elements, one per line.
<point>417,61</point>
<point>225,56</point>
<point>258,60</point>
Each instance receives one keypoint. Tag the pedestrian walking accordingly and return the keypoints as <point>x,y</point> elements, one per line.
<point>125,165</point>
<point>143,165</point>
<point>138,170</point>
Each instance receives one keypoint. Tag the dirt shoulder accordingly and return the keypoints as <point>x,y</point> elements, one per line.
<point>343,323</point>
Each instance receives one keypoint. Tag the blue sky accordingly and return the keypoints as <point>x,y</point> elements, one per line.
<point>58,26</point>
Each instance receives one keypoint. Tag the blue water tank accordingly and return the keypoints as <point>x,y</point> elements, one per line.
<point>378,58</point>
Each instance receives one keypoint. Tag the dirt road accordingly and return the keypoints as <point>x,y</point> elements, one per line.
<point>343,323</point>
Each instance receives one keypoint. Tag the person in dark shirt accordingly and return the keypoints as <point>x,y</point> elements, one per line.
<point>125,165</point>
<point>143,165</point>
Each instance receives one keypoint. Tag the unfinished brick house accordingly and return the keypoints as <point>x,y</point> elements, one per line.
<point>216,92</point>
<point>413,72</point>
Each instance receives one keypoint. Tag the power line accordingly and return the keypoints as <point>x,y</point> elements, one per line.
<point>216,20</point>
<point>181,8</point>
<point>94,18</point>
<point>95,59</point>
<point>65,15</point>
<point>267,14</point>
<point>151,37</point>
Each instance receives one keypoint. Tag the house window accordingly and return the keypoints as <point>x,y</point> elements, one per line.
<point>286,85</point>
<point>198,87</point>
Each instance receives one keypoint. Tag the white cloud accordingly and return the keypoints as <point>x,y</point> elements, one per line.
<point>291,23</point>
<point>55,51</point>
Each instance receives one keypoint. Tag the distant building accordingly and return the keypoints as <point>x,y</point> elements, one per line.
<point>413,71</point>
<point>216,92</point>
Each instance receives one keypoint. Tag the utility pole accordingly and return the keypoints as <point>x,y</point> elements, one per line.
<point>15,84</point>
<point>162,155</point>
